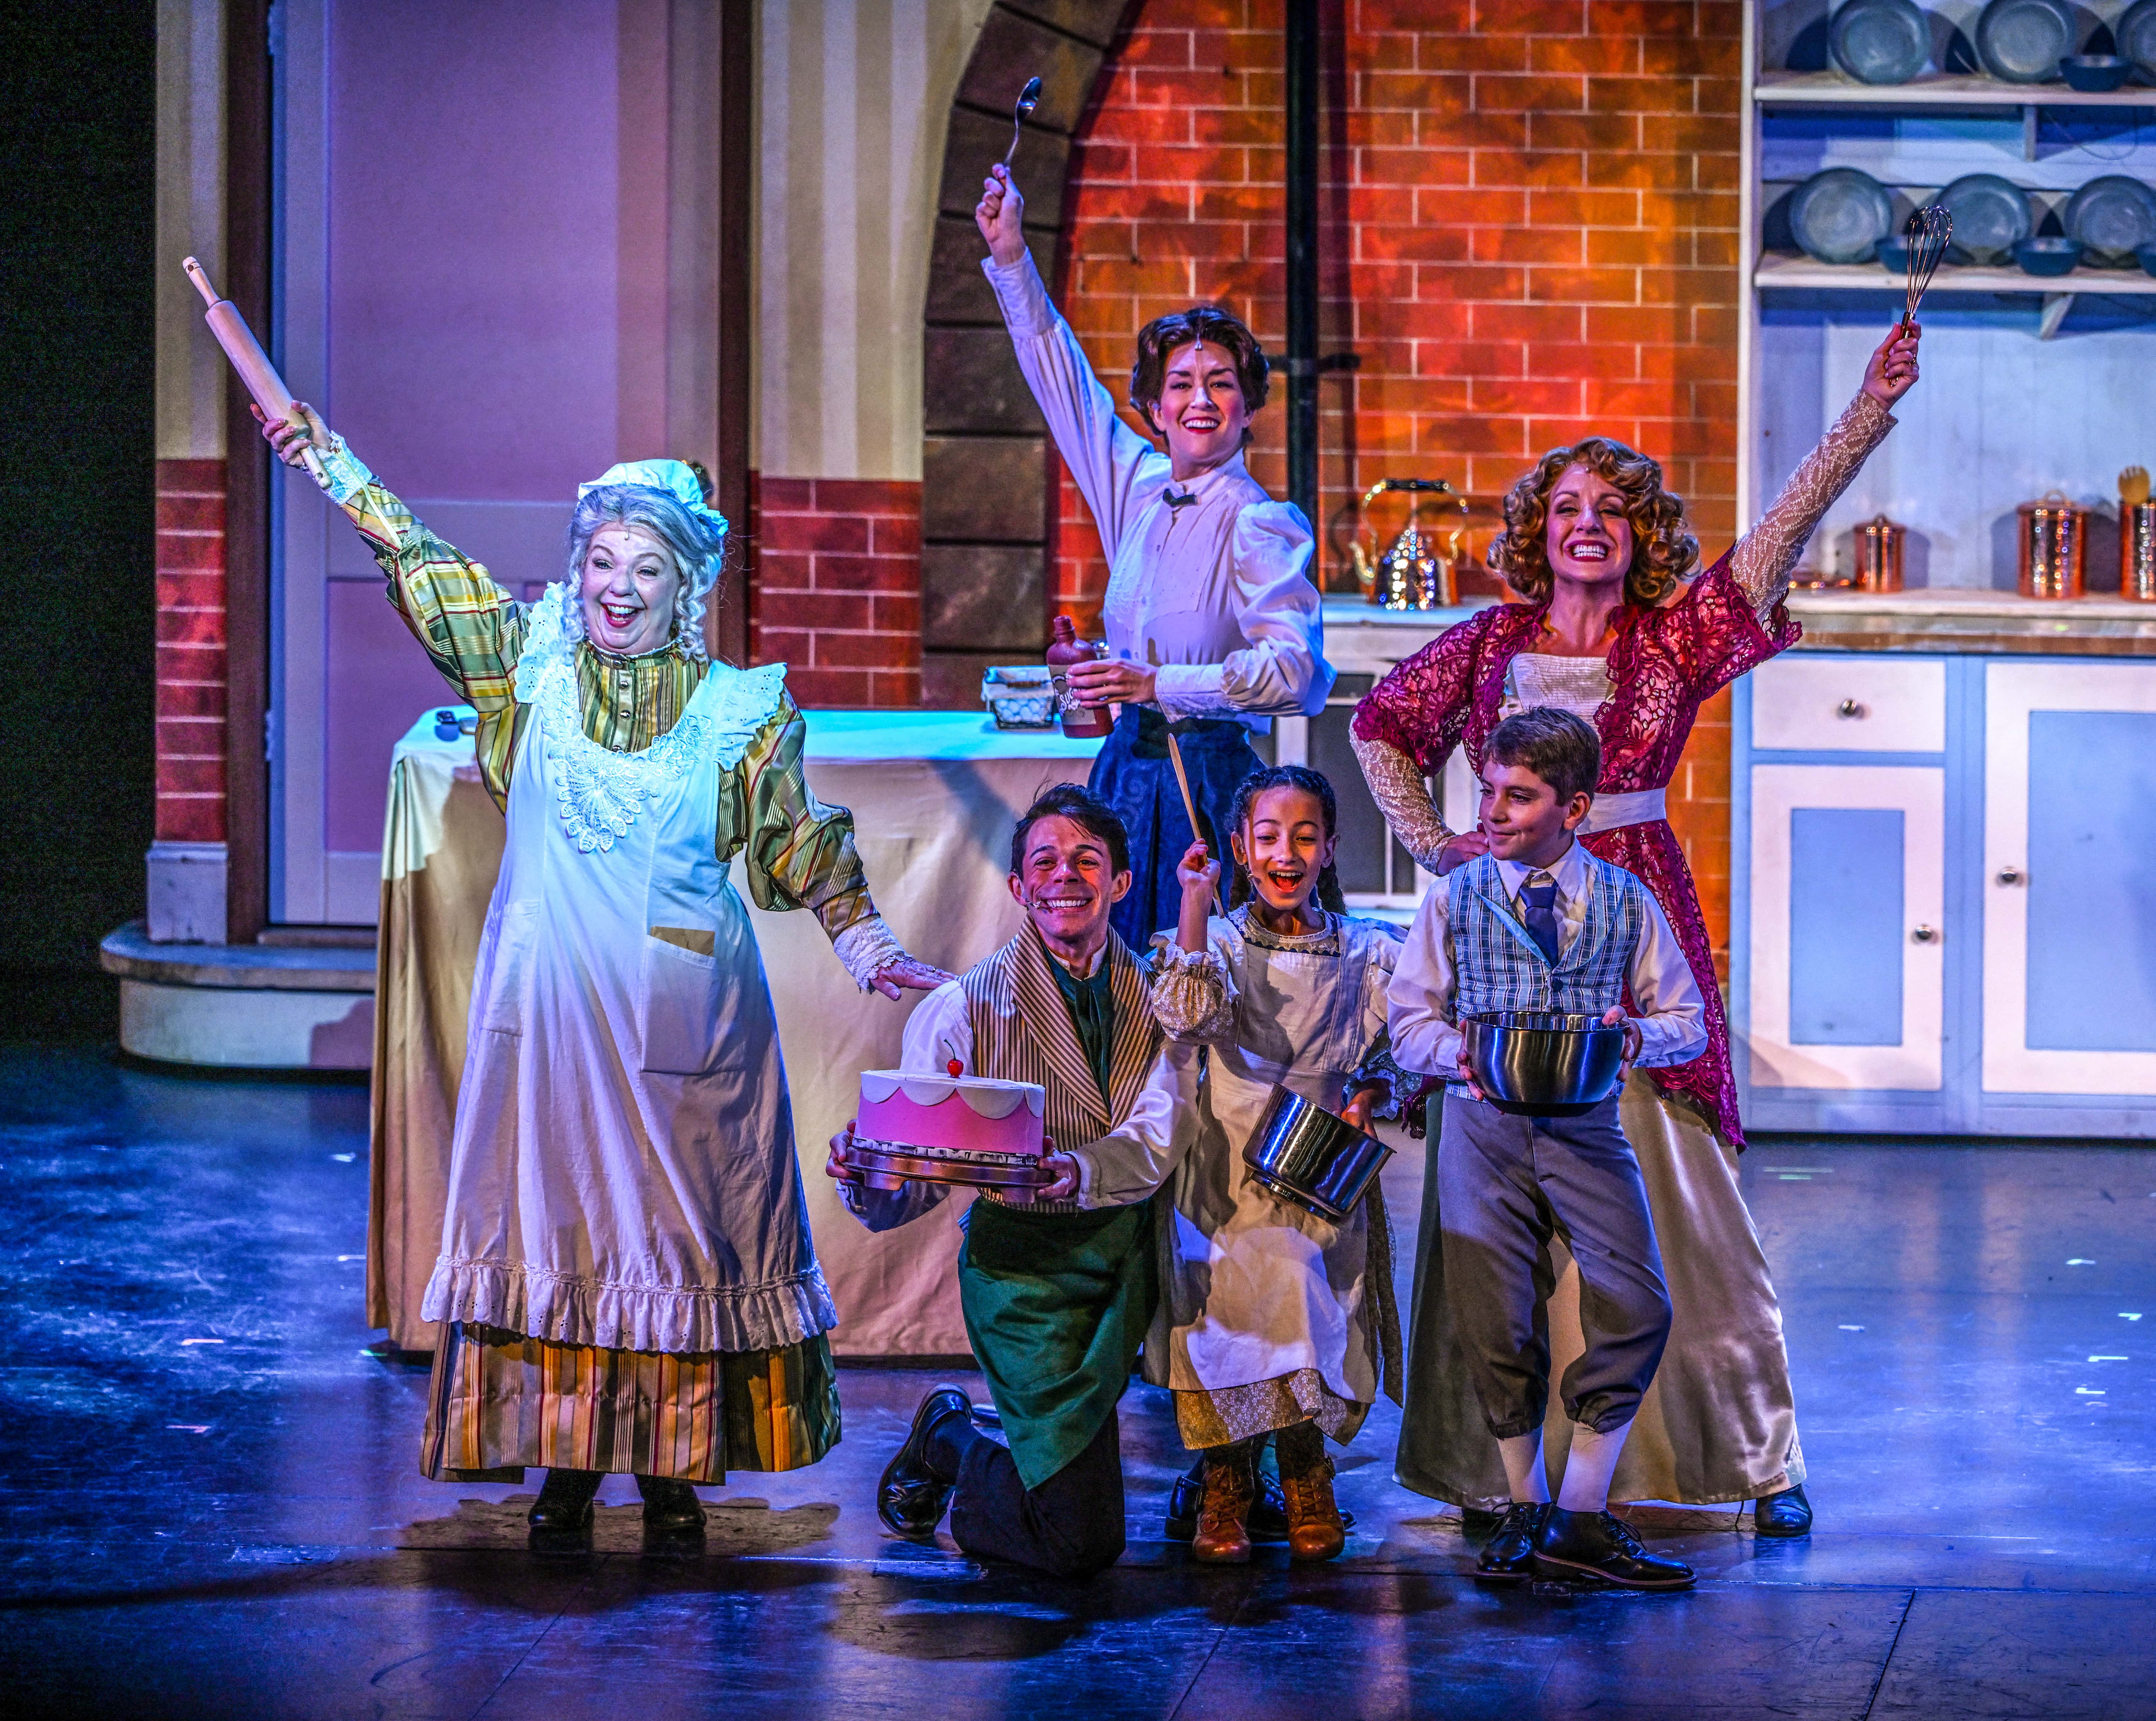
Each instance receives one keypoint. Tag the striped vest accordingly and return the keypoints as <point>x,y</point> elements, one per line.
<point>1498,967</point>
<point>1023,1032</point>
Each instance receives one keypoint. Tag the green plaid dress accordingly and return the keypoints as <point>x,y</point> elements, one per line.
<point>502,1400</point>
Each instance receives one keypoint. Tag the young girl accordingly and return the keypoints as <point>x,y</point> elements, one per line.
<point>1281,1320</point>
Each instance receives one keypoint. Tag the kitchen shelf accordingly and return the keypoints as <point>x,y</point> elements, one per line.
<point>1775,271</point>
<point>2030,381</point>
<point>1934,90</point>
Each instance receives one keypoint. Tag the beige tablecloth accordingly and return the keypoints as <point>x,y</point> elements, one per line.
<point>933,795</point>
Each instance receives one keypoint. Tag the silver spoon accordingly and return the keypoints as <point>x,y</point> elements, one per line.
<point>1028,99</point>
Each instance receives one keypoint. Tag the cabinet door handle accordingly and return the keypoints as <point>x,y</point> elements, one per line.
<point>1926,935</point>
<point>1849,708</point>
<point>2012,876</point>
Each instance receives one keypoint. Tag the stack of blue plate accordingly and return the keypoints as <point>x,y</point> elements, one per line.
<point>2023,41</point>
<point>1880,41</point>
<point>1991,216</point>
<point>1840,215</point>
<point>2135,33</point>
<point>2113,218</point>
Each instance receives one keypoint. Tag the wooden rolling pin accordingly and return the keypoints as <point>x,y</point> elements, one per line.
<point>246,356</point>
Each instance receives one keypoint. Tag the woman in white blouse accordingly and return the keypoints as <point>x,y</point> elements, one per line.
<point>1212,622</point>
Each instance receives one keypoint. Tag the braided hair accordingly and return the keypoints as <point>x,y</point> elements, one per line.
<point>1310,782</point>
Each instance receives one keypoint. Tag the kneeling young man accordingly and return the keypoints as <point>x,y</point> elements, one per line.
<point>1538,923</point>
<point>1057,1294</point>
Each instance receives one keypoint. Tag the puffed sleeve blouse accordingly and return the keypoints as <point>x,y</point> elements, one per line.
<point>1209,581</point>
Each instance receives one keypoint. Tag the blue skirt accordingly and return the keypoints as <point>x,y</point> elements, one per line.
<point>1134,775</point>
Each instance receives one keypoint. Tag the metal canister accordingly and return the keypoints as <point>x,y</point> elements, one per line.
<point>2054,541</point>
<point>2137,551</point>
<point>1879,555</point>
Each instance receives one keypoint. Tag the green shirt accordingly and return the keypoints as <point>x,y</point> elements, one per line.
<point>1092,1007</point>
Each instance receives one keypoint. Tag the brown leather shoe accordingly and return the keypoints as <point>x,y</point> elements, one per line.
<point>1314,1529</point>
<point>1224,1513</point>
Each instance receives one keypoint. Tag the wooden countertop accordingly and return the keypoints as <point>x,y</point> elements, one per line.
<point>1986,623</point>
<point>1361,639</point>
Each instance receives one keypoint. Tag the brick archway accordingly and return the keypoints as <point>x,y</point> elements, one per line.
<point>1529,214</point>
<point>985,526</point>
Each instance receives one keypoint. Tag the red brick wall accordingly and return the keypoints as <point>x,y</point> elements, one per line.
<point>1529,214</point>
<point>835,587</point>
<point>190,571</point>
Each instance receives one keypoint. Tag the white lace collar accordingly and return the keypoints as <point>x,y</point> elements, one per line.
<point>599,791</point>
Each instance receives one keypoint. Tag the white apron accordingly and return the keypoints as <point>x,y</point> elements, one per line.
<point>1259,1289</point>
<point>623,1173</point>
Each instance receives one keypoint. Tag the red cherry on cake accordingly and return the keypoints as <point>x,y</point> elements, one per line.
<point>955,1066</point>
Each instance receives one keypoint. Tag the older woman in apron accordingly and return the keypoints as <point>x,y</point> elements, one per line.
<point>627,1281</point>
<point>1213,623</point>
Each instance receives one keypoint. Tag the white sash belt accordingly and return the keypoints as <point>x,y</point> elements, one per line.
<point>1638,806</point>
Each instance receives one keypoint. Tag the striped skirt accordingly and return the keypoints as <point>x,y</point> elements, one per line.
<point>500,1402</point>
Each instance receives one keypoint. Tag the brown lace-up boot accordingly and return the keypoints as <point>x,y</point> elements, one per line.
<point>1230,1486</point>
<point>1314,1529</point>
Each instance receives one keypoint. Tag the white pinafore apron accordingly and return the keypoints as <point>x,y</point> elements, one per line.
<point>623,1173</point>
<point>1259,1289</point>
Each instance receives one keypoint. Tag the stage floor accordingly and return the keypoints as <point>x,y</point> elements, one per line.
<point>213,1508</point>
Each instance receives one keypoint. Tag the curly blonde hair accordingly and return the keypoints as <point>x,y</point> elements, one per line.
<point>1663,548</point>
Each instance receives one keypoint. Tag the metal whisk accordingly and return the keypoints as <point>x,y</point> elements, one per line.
<point>1926,234</point>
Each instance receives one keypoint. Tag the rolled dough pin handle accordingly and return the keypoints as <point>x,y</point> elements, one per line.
<point>256,372</point>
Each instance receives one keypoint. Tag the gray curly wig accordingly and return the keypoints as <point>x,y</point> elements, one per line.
<point>698,547</point>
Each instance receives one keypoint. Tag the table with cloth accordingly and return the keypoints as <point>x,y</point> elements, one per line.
<point>934,795</point>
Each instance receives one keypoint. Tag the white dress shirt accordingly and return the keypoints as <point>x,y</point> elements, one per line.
<point>1424,1032</point>
<point>1216,594</point>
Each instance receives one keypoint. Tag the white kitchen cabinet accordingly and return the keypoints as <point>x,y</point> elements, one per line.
<point>1956,937</point>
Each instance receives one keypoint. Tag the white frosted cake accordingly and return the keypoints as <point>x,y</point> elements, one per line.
<point>943,1117</point>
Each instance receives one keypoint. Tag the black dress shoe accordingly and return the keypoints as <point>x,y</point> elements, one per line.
<point>671,1505</point>
<point>911,1497</point>
<point>1594,1544</point>
<point>1478,1525</point>
<point>564,1505</point>
<point>1787,1514</point>
<point>1508,1557</point>
<point>1268,1518</point>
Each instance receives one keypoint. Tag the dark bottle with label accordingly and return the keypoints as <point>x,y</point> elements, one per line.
<point>1082,722</point>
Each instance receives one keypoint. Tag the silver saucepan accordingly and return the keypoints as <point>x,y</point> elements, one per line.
<point>1306,1156</point>
<point>1536,1063</point>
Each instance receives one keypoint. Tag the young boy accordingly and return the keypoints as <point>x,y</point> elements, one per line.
<point>1538,923</point>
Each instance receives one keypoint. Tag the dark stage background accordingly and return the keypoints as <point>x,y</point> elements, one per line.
<point>78,105</point>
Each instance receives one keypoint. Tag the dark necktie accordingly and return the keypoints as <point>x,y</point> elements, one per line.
<point>1175,501</point>
<point>1539,895</point>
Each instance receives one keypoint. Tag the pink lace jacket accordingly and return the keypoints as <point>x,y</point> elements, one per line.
<point>1664,663</point>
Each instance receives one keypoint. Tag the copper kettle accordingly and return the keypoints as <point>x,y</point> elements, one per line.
<point>1413,573</point>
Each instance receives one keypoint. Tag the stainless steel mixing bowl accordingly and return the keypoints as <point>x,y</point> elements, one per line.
<point>1543,1063</point>
<point>1305,1155</point>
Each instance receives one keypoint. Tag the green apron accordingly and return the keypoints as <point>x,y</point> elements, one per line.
<point>1056,1306</point>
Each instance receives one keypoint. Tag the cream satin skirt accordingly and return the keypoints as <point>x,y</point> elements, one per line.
<point>1720,1422</point>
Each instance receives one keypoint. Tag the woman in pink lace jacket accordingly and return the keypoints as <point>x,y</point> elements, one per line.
<point>1618,630</point>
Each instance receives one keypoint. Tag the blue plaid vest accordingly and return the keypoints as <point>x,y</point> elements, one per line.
<point>1498,967</point>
